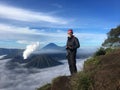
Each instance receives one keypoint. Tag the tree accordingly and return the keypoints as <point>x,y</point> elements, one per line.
<point>113,39</point>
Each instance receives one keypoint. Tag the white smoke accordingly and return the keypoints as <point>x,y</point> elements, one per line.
<point>29,49</point>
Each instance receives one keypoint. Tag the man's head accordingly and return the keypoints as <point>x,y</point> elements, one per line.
<point>70,33</point>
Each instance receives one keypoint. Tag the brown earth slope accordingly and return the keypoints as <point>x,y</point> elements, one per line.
<point>107,76</point>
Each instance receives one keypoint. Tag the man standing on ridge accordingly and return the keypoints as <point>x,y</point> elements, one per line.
<point>71,47</point>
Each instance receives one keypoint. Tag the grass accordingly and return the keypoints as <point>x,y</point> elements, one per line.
<point>81,81</point>
<point>56,79</point>
<point>45,87</point>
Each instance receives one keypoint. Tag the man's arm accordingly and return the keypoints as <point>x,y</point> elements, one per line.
<point>77,44</point>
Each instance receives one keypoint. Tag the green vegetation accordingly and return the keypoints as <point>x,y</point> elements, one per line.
<point>115,32</point>
<point>56,79</point>
<point>113,38</point>
<point>101,51</point>
<point>45,87</point>
<point>81,81</point>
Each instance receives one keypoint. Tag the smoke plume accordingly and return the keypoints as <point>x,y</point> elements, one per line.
<point>29,49</point>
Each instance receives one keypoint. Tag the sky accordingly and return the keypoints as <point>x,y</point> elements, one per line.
<point>24,22</point>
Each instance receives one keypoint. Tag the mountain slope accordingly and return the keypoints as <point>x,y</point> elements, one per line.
<point>110,71</point>
<point>10,53</point>
<point>34,61</point>
<point>42,61</point>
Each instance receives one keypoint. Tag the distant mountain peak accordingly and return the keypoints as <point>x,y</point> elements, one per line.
<point>52,46</point>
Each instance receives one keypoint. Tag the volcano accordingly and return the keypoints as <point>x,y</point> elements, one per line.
<point>34,61</point>
<point>42,61</point>
<point>52,46</point>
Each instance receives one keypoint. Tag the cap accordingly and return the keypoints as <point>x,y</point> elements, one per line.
<point>70,31</point>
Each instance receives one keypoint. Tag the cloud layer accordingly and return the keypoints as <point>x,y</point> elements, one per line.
<point>29,79</point>
<point>28,16</point>
<point>26,35</point>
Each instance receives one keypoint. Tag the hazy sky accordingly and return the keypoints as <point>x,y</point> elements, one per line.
<point>24,22</point>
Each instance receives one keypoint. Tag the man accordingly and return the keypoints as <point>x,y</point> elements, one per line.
<point>71,47</point>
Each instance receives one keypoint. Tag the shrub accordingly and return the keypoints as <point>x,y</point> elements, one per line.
<point>100,52</point>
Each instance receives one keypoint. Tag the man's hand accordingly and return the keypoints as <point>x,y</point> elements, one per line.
<point>69,47</point>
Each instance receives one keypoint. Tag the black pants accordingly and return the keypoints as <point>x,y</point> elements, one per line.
<point>72,62</point>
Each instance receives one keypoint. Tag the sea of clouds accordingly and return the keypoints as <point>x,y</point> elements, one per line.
<point>30,79</point>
